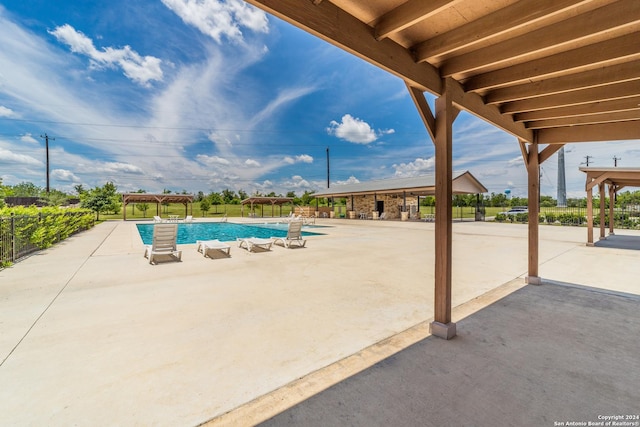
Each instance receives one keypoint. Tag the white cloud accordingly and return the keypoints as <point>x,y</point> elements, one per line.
<point>252,163</point>
<point>6,112</point>
<point>109,168</point>
<point>140,69</point>
<point>352,180</point>
<point>417,167</point>
<point>352,129</point>
<point>212,160</point>
<point>13,159</point>
<point>28,138</point>
<point>217,18</point>
<point>304,158</point>
<point>64,175</point>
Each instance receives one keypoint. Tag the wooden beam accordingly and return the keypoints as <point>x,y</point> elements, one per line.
<point>445,111</point>
<point>408,14</point>
<point>594,180</point>
<point>524,12</point>
<point>525,153</point>
<point>625,104</point>
<point>330,23</point>
<point>625,71</point>
<point>586,25</point>
<point>584,96</point>
<point>533,195</point>
<point>474,104</point>
<point>548,152</point>
<point>424,110</point>
<point>620,116</point>
<point>600,132</point>
<point>583,58</point>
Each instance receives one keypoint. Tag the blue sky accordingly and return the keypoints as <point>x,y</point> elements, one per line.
<point>204,95</point>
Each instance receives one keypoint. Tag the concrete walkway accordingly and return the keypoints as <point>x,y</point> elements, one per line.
<point>91,334</point>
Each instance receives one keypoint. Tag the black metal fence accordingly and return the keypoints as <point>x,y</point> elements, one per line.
<point>626,217</point>
<point>21,235</point>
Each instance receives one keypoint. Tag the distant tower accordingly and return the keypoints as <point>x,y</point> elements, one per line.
<point>562,182</point>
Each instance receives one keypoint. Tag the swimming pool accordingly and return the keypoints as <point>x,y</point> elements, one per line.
<point>223,231</point>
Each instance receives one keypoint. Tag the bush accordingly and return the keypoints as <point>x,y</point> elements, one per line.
<point>500,217</point>
<point>550,217</point>
<point>46,226</point>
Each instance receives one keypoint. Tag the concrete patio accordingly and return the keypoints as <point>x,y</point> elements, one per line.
<point>91,334</point>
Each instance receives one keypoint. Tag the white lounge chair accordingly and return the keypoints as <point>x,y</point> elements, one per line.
<point>250,243</point>
<point>383,215</point>
<point>156,218</point>
<point>188,218</point>
<point>294,236</point>
<point>165,238</point>
<point>205,245</point>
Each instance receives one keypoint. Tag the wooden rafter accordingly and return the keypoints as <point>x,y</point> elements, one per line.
<point>407,14</point>
<point>500,22</point>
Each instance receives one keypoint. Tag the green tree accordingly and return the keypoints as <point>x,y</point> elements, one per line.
<point>215,199</point>
<point>205,205</point>
<point>101,199</point>
<point>242,195</point>
<point>26,189</point>
<point>307,198</point>
<point>228,195</point>
<point>79,189</point>
<point>54,198</point>
<point>143,207</point>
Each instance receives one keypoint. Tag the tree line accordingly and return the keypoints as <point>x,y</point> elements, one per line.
<point>106,199</point>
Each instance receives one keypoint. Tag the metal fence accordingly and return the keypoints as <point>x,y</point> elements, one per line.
<point>13,246</point>
<point>18,236</point>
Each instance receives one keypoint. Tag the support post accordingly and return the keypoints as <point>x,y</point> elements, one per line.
<point>612,199</point>
<point>533,194</point>
<point>602,210</point>
<point>589,216</point>
<point>442,326</point>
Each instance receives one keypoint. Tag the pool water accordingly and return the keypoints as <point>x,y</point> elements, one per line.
<point>223,231</point>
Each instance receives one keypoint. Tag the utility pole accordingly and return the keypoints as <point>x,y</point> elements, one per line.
<point>615,161</point>
<point>587,158</point>
<point>327,167</point>
<point>46,144</point>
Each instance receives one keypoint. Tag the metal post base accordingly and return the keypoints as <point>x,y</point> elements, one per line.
<point>441,330</point>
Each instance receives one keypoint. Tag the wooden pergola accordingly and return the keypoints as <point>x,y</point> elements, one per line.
<point>185,199</point>
<point>615,179</point>
<point>549,72</point>
<point>273,201</point>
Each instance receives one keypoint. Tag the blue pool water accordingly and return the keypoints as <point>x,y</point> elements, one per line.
<point>223,231</point>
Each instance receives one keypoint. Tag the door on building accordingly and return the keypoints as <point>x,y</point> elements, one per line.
<point>380,206</point>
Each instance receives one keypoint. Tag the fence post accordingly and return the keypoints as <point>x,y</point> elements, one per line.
<point>13,238</point>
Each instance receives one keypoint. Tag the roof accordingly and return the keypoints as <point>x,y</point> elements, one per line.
<point>618,177</point>
<point>156,198</point>
<point>463,183</point>
<point>267,200</point>
<point>546,71</point>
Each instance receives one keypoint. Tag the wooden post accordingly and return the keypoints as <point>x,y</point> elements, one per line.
<point>612,197</point>
<point>602,209</point>
<point>533,194</point>
<point>445,115</point>
<point>589,215</point>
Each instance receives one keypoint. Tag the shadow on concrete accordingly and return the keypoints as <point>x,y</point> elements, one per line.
<point>620,242</point>
<point>541,355</point>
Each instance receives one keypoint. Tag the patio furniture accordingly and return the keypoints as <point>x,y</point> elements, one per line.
<point>156,218</point>
<point>165,238</point>
<point>293,237</point>
<point>250,243</point>
<point>205,245</point>
<point>188,218</point>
